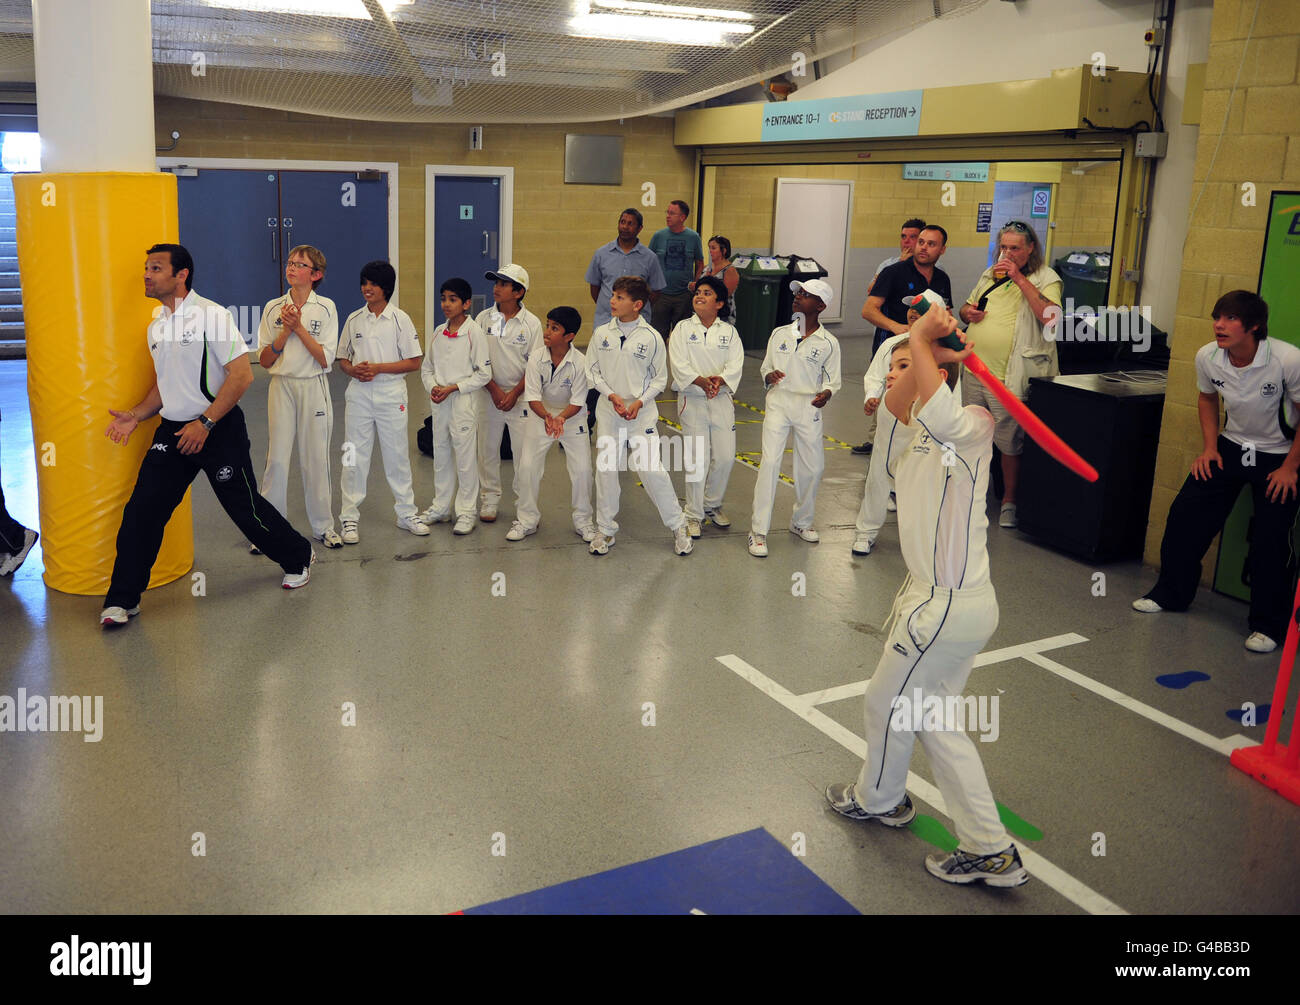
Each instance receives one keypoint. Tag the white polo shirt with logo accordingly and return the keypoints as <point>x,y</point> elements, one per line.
<point>811,364</point>
<point>191,347</point>
<point>695,351</point>
<point>557,387</point>
<point>511,341</point>
<point>1260,397</point>
<point>386,337</point>
<point>635,366</point>
<point>319,317</point>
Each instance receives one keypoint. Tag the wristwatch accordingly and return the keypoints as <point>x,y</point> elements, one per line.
<point>206,423</point>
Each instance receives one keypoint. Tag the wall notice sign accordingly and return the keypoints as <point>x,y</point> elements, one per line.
<point>946,172</point>
<point>467,212</point>
<point>984,218</point>
<point>1042,202</point>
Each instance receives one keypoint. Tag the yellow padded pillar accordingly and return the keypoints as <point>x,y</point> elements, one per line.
<point>81,252</point>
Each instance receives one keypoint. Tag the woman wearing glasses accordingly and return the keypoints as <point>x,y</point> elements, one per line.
<point>1006,312</point>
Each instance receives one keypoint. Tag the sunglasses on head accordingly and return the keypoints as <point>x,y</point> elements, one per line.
<point>1016,225</point>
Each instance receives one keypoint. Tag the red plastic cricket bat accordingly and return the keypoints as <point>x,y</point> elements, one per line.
<point>1031,423</point>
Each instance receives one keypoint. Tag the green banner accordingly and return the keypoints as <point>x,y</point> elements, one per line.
<point>1281,267</point>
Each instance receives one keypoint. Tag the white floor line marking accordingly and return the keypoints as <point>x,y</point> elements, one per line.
<point>1223,746</point>
<point>1058,879</point>
<point>858,688</point>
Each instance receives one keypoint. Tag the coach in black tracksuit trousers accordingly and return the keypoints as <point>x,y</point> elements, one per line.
<point>196,347</point>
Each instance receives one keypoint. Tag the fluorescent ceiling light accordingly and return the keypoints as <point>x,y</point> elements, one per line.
<point>686,26</point>
<point>354,9</point>
<point>672,11</point>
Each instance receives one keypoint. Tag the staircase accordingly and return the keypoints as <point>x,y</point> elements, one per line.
<point>13,343</point>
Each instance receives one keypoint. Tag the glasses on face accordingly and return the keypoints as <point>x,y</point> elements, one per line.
<point>300,265</point>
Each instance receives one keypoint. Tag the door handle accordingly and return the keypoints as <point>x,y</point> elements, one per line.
<point>493,244</point>
<point>271,222</point>
<point>485,244</point>
<point>287,222</point>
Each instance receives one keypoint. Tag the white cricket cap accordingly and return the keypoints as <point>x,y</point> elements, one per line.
<point>817,287</point>
<point>510,274</point>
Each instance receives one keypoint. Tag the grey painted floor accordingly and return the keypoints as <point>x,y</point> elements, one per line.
<point>522,715</point>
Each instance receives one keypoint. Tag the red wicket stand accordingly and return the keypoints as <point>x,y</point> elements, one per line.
<point>1273,763</point>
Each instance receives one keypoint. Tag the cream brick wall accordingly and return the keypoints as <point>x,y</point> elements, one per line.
<point>1260,143</point>
<point>556,226</point>
<point>882,200</point>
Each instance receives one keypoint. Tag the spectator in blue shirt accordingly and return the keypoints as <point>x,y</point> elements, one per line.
<point>682,256</point>
<point>626,256</point>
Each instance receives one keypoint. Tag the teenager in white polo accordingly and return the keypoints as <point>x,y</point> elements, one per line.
<point>707,356</point>
<point>556,393</point>
<point>513,335</point>
<point>377,349</point>
<point>1258,379</point>
<point>627,363</point>
<point>296,342</point>
<point>801,371</point>
<point>456,367</point>
<point>201,361</point>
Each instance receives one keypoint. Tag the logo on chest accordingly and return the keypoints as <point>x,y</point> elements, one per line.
<point>1269,390</point>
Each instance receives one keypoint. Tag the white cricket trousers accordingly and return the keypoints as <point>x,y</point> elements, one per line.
<point>372,406</point>
<point>634,445</point>
<point>300,409</point>
<point>932,647</point>
<point>491,422</point>
<point>530,461</point>
<point>455,454</point>
<point>709,426</point>
<point>887,451</point>
<point>789,412</point>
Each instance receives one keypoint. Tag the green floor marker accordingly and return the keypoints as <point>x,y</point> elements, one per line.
<point>1020,828</point>
<point>932,831</point>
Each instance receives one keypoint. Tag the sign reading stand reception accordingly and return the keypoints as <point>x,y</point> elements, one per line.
<point>864,116</point>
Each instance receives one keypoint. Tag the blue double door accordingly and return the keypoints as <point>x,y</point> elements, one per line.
<point>466,233</point>
<point>241,224</point>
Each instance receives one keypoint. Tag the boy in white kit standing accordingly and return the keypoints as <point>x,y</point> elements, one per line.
<point>628,364</point>
<point>555,387</point>
<point>456,368</point>
<point>513,335</point>
<point>943,616</point>
<point>378,348</point>
<point>297,340</point>
<point>801,371</point>
<point>707,356</point>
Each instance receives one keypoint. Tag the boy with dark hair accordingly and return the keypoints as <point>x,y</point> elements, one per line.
<point>628,365</point>
<point>378,348</point>
<point>513,335</point>
<point>801,371</point>
<point>556,392</point>
<point>456,367</point>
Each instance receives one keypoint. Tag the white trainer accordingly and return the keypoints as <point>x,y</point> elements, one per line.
<point>488,514</point>
<point>587,533</point>
<point>350,535</point>
<point>719,519</point>
<point>111,617</point>
<point>293,582</point>
<point>413,524</point>
<point>805,533</point>
<point>1007,518</point>
<point>693,528</point>
<point>1147,606</point>
<point>464,524</point>
<point>892,505</point>
<point>600,544</point>
<point>682,540</point>
<point>1258,642</point>
<point>861,545</point>
<point>330,539</point>
<point>518,531</point>
<point>758,545</point>
<point>431,516</point>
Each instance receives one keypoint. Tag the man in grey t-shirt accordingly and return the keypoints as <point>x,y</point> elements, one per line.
<point>681,254</point>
